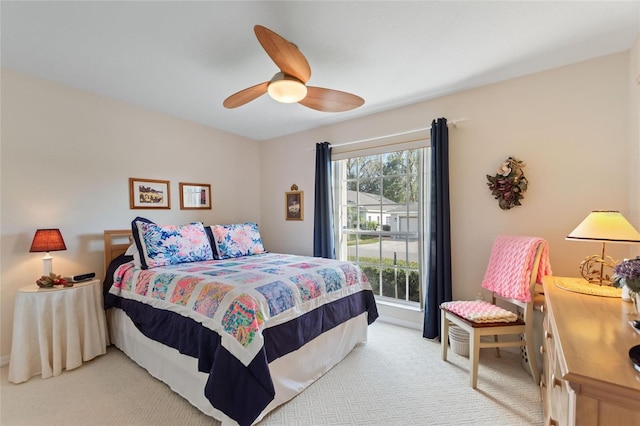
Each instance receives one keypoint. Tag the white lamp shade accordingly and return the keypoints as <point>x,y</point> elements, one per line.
<point>606,226</point>
<point>286,89</point>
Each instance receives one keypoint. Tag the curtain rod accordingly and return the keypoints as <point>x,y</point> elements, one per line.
<point>453,122</point>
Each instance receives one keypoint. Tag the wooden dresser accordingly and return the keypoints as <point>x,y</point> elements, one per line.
<point>588,376</point>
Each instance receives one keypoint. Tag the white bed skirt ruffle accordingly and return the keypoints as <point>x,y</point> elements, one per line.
<point>291,374</point>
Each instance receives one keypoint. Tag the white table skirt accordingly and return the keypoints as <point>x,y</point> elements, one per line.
<point>56,329</point>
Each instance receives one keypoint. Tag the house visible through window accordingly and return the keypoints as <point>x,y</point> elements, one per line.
<point>380,208</point>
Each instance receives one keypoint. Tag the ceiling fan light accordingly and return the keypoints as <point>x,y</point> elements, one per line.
<point>286,89</point>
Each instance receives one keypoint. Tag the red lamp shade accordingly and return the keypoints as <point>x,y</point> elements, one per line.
<point>47,240</point>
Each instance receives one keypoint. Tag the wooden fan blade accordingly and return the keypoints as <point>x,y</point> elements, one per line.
<point>284,53</point>
<point>328,100</point>
<point>247,95</point>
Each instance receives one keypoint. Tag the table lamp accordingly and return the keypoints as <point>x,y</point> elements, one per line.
<point>605,226</point>
<point>46,240</point>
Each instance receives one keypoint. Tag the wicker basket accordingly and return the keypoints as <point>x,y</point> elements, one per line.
<point>459,340</point>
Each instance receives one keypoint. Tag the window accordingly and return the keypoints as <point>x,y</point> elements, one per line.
<point>380,208</point>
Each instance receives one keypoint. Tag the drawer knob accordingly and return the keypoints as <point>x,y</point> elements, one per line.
<point>542,350</point>
<point>547,334</point>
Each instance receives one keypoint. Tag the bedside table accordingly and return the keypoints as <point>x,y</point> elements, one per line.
<point>56,329</point>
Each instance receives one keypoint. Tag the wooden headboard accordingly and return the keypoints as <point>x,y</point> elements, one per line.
<point>114,244</point>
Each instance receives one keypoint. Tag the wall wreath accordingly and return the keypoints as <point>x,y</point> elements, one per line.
<point>509,184</point>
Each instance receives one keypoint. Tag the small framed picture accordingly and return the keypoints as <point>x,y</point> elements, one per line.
<point>149,194</point>
<point>195,196</point>
<point>294,205</point>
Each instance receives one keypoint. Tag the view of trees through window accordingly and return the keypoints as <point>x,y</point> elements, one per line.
<point>381,220</point>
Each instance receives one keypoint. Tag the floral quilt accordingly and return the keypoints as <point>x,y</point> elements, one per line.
<point>238,298</point>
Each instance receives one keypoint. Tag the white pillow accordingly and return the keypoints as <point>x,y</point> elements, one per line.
<point>136,259</point>
<point>132,250</point>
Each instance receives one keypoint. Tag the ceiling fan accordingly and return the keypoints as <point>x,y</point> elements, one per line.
<point>289,85</point>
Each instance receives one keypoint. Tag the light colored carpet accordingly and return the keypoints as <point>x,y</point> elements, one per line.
<point>396,378</point>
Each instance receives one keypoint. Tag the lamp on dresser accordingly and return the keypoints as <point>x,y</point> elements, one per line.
<point>47,240</point>
<point>605,226</point>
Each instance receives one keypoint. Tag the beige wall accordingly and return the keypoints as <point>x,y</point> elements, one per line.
<point>570,125</point>
<point>634,133</point>
<point>66,159</point>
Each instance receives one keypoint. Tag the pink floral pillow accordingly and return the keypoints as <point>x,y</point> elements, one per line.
<point>240,239</point>
<point>162,245</point>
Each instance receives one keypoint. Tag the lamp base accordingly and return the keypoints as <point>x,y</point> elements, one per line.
<point>592,269</point>
<point>47,262</point>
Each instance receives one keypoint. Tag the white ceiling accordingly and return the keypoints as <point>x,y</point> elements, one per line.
<point>184,58</point>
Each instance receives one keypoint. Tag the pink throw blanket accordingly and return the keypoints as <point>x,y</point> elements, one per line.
<point>511,263</point>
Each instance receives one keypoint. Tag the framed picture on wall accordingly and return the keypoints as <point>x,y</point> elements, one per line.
<point>294,205</point>
<point>149,194</point>
<point>195,196</point>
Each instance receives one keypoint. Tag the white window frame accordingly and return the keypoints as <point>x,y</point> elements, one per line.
<point>381,146</point>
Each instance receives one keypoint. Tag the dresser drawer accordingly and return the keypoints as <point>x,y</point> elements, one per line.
<point>562,397</point>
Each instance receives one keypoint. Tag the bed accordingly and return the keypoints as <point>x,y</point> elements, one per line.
<point>236,333</point>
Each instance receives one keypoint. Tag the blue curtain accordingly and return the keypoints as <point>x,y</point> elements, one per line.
<point>323,240</point>
<point>439,267</point>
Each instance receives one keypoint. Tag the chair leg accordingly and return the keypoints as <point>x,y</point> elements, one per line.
<point>474,357</point>
<point>531,356</point>
<point>444,334</point>
<point>495,339</point>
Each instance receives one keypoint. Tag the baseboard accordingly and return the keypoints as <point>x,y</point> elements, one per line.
<point>4,360</point>
<point>399,322</point>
